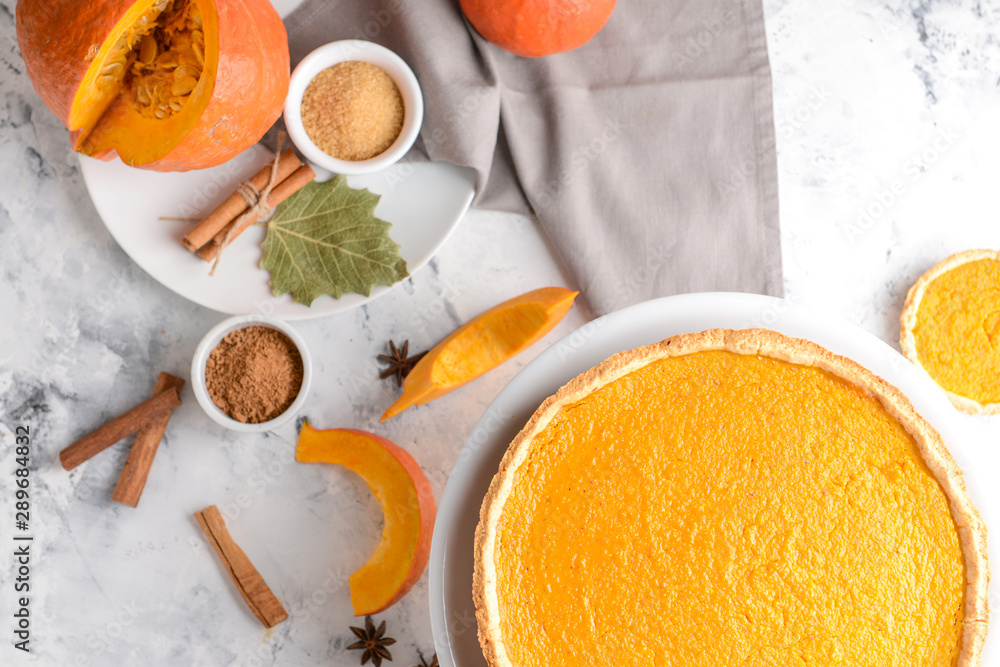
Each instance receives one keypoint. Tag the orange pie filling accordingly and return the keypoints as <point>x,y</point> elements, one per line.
<point>725,509</point>
<point>957,331</point>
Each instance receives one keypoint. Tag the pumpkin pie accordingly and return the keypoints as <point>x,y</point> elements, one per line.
<point>729,498</point>
<point>950,327</point>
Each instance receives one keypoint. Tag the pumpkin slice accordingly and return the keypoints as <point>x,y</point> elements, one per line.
<point>407,503</point>
<point>164,84</point>
<point>483,344</point>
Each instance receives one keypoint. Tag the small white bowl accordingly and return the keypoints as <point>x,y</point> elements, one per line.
<point>344,51</point>
<point>213,338</point>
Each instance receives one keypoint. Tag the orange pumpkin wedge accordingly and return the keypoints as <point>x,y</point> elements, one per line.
<point>168,85</point>
<point>483,344</point>
<point>407,503</point>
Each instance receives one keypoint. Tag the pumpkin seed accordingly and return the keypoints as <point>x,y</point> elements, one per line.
<point>120,46</point>
<point>167,60</point>
<point>184,86</point>
<point>185,71</point>
<point>142,94</point>
<point>147,49</point>
<point>198,53</point>
<point>160,114</point>
<point>113,69</point>
<point>176,106</point>
<point>187,59</point>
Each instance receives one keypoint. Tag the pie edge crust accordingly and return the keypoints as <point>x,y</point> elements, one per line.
<point>908,320</point>
<point>971,529</point>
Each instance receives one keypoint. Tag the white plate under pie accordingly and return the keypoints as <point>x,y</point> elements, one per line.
<point>423,201</point>
<point>453,614</point>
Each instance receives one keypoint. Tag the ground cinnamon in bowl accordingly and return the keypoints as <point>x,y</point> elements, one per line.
<point>254,374</point>
<point>353,110</point>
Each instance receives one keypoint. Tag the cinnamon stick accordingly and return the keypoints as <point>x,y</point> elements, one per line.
<point>298,180</point>
<point>133,477</point>
<point>119,427</point>
<point>262,602</point>
<point>235,204</point>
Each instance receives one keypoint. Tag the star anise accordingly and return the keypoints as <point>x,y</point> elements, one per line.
<point>424,663</point>
<point>373,641</point>
<point>400,364</point>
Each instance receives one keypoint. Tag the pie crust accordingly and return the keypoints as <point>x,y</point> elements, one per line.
<point>971,530</point>
<point>908,320</point>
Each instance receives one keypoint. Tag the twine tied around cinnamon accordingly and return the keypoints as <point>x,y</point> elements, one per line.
<point>256,201</point>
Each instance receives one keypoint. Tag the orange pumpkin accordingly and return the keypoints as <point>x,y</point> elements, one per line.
<point>168,85</point>
<point>535,28</point>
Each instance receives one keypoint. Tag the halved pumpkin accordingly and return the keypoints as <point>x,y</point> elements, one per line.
<point>168,85</point>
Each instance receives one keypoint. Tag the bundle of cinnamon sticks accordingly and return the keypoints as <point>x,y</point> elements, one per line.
<point>148,421</point>
<point>280,181</point>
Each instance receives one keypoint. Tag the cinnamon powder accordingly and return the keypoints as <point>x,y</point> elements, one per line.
<point>254,374</point>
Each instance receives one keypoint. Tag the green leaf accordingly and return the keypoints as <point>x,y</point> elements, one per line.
<point>325,239</point>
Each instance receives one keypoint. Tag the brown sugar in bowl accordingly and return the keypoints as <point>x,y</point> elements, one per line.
<point>363,55</point>
<point>353,111</point>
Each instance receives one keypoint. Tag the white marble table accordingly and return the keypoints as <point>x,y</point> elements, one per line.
<point>869,98</point>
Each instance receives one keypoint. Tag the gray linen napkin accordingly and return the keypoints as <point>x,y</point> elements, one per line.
<point>647,155</point>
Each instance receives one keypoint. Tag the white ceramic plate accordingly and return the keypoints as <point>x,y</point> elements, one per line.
<point>424,202</point>
<point>451,562</point>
